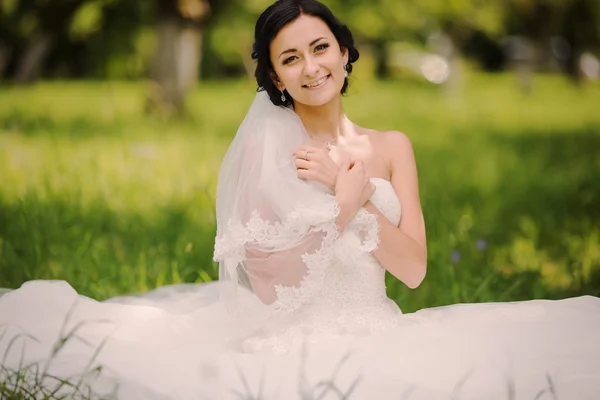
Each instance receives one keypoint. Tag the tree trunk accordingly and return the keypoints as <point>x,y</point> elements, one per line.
<point>179,29</point>
<point>575,33</point>
<point>32,62</point>
<point>449,48</point>
<point>380,51</point>
<point>176,66</point>
<point>5,53</point>
<point>521,55</point>
<point>54,21</point>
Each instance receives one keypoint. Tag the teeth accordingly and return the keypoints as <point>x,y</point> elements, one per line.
<point>317,83</point>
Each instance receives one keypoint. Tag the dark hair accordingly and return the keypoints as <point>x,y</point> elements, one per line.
<point>272,20</point>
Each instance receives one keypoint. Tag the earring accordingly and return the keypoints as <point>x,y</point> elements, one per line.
<point>346,70</point>
<point>282,97</point>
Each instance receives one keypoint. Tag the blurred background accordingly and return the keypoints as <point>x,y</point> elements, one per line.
<point>115,115</point>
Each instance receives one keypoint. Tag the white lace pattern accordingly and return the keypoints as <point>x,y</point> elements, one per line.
<point>343,292</point>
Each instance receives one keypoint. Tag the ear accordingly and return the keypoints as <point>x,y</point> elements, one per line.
<point>277,82</point>
<point>345,55</point>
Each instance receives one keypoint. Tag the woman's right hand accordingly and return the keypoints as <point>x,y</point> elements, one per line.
<point>352,190</point>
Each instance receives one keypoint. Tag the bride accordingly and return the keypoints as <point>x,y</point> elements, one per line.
<point>311,211</point>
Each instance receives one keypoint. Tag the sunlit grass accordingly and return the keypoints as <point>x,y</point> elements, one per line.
<point>35,381</point>
<point>95,192</point>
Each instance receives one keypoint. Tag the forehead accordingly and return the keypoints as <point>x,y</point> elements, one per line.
<point>299,33</point>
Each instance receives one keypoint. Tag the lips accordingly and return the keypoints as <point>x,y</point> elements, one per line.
<point>317,83</point>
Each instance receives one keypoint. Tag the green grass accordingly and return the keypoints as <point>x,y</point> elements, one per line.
<point>95,192</point>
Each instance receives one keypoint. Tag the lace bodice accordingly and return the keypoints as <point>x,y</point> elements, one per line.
<point>356,280</point>
<point>350,296</point>
<point>360,283</point>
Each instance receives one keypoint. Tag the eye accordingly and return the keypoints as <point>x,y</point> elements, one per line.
<point>289,60</point>
<point>322,46</point>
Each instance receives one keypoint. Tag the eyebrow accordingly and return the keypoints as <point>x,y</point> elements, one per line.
<point>294,50</point>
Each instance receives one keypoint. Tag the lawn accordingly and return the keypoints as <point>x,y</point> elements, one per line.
<point>95,192</point>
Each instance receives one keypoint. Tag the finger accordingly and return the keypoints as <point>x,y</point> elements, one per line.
<point>311,149</point>
<point>306,174</point>
<point>308,153</point>
<point>302,154</point>
<point>299,150</point>
<point>302,163</point>
<point>344,165</point>
<point>358,165</point>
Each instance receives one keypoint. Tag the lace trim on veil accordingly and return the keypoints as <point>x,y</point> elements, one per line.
<point>231,245</point>
<point>275,231</point>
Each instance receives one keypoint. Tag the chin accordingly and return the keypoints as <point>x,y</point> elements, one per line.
<point>319,99</point>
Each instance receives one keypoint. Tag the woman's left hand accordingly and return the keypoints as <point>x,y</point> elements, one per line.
<point>315,164</point>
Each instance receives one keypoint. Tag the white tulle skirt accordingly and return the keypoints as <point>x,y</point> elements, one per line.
<point>169,344</point>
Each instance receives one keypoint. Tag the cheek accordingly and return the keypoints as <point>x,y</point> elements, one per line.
<point>290,76</point>
<point>335,63</point>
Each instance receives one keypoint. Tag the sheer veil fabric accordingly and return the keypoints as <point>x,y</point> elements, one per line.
<point>300,310</point>
<point>277,234</point>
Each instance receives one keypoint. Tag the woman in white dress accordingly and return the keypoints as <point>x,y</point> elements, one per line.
<point>311,211</point>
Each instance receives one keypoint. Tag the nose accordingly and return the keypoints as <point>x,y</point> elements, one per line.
<point>311,67</point>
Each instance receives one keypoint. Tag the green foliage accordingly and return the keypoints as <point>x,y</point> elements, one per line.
<point>233,47</point>
<point>116,38</point>
<point>389,20</point>
<point>87,19</point>
<point>372,21</point>
<point>8,7</point>
<point>114,202</point>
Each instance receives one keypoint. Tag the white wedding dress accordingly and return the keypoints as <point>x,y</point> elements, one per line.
<point>349,341</point>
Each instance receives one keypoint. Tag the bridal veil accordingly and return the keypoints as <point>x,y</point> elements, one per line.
<point>276,234</point>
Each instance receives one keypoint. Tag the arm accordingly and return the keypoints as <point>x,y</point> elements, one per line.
<point>287,267</point>
<point>403,249</point>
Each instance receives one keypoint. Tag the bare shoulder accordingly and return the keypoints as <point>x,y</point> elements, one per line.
<point>394,144</point>
<point>398,142</point>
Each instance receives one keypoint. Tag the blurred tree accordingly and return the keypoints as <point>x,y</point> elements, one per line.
<point>229,49</point>
<point>380,22</point>
<point>377,23</point>
<point>36,26</point>
<point>457,20</point>
<point>373,24</point>
<point>180,25</point>
<point>93,36</point>
<point>116,38</point>
<point>560,30</point>
<point>581,29</point>
<point>118,43</point>
<point>7,11</point>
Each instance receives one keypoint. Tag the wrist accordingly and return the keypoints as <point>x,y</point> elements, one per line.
<point>347,211</point>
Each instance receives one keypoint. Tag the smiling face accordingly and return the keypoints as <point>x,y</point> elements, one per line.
<point>308,61</point>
